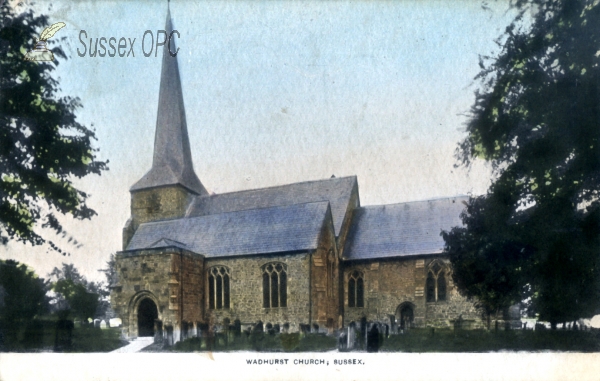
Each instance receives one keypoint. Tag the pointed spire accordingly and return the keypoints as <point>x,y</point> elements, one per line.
<point>172,163</point>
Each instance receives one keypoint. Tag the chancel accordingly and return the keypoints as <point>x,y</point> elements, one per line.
<point>299,256</point>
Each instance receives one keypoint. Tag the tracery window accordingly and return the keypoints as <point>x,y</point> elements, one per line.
<point>274,285</point>
<point>218,287</point>
<point>356,290</point>
<point>436,283</point>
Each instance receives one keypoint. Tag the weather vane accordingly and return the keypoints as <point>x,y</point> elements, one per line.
<point>40,52</point>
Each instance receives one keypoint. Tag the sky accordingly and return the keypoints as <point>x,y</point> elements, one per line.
<point>275,92</point>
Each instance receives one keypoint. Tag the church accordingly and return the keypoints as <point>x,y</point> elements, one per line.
<point>299,256</point>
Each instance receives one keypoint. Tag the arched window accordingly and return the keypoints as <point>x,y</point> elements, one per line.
<point>441,286</point>
<point>218,287</point>
<point>356,290</point>
<point>274,285</point>
<point>436,283</point>
<point>430,287</point>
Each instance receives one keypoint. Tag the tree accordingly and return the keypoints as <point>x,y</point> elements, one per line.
<point>42,146</point>
<point>75,293</point>
<point>23,297</point>
<point>488,264</point>
<point>536,118</point>
<point>79,300</point>
<point>110,272</point>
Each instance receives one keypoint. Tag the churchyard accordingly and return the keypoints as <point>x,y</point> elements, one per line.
<point>51,334</point>
<point>416,340</point>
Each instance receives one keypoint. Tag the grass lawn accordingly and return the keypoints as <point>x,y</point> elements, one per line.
<point>416,340</point>
<point>40,335</point>
<point>283,342</point>
<point>426,340</point>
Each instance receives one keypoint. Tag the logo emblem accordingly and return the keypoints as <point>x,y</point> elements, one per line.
<point>40,52</point>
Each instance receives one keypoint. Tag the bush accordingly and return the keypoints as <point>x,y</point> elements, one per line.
<point>290,341</point>
<point>317,342</point>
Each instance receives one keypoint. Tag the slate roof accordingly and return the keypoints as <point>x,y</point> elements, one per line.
<point>257,231</point>
<point>397,230</point>
<point>335,190</point>
<point>172,162</point>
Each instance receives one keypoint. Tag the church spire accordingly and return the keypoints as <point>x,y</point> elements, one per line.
<point>172,163</point>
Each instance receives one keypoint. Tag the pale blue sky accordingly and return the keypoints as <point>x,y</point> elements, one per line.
<point>278,92</point>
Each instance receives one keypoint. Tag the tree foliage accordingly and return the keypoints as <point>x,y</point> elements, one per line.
<point>42,145</point>
<point>110,272</point>
<point>536,118</point>
<point>79,301</point>
<point>75,293</point>
<point>23,293</point>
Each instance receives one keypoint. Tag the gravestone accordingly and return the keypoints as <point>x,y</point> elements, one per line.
<point>343,341</point>
<point>373,339</point>
<point>169,340</point>
<point>64,335</point>
<point>351,337</point>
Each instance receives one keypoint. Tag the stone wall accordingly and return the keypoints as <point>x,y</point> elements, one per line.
<point>455,310</point>
<point>139,276</point>
<point>390,283</point>
<point>155,275</point>
<point>246,290</point>
<point>325,273</point>
<point>352,205</point>
<point>188,271</point>
<point>159,204</point>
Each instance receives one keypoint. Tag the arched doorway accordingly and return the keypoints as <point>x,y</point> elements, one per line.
<point>405,315</point>
<point>147,314</point>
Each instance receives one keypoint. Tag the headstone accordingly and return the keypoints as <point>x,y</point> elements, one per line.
<point>103,324</point>
<point>351,337</point>
<point>158,331</point>
<point>115,322</point>
<point>64,335</point>
<point>393,325</point>
<point>373,339</point>
<point>169,330</point>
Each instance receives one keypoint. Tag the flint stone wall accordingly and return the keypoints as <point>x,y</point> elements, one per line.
<point>246,291</point>
<point>146,274</point>
<point>392,282</point>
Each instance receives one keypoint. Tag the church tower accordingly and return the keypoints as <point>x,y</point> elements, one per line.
<point>166,190</point>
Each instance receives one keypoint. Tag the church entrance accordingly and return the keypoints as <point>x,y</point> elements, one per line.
<point>147,314</point>
<point>405,315</point>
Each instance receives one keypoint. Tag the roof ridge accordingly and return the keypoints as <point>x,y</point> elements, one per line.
<point>275,186</point>
<point>151,223</point>
<point>412,202</point>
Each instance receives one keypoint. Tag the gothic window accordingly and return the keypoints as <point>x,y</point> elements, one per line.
<point>218,287</point>
<point>356,290</point>
<point>441,286</point>
<point>274,285</point>
<point>436,283</point>
<point>430,287</point>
